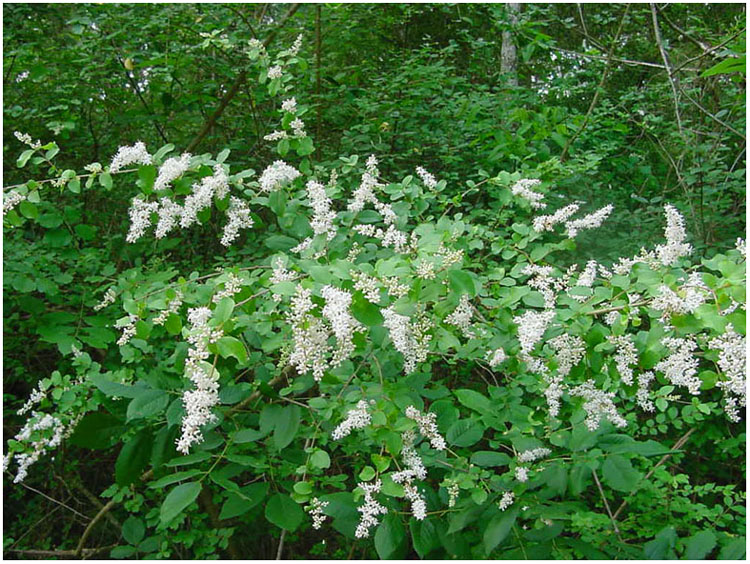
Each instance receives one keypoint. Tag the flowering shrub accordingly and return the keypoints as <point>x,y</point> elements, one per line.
<point>377,366</point>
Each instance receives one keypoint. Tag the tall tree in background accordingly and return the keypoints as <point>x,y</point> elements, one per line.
<point>508,57</point>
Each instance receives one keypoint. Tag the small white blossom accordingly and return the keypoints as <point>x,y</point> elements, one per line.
<point>427,179</point>
<point>172,307</point>
<point>626,356</point>
<point>289,105</point>
<point>172,169</point>
<point>496,357</point>
<point>130,155</point>
<point>410,339</point>
<point>238,215</point>
<point>523,188</point>
<point>11,199</point>
<point>461,317</point>
<point>531,328</point>
<point>275,72</point>
<point>506,501</point>
<point>522,474</point>
<point>277,175</point>
<point>316,512</point>
<point>108,298</point>
<point>598,405</point>
<point>534,454</point>
<point>642,393</point>
<point>369,510</point>
<point>589,221</point>
<point>357,418</point>
<point>427,427</point>
<point>547,222</point>
<point>675,235</point>
<point>732,348</point>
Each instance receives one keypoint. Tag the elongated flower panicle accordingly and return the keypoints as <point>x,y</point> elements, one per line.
<point>107,299</point>
<point>521,473</point>
<point>137,154</point>
<point>41,433</point>
<point>427,427</point>
<point>140,218</point>
<point>275,72</point>
<point>289,105</point>
<point>598,405</point>
<point>531,328</point>
<point>461,317</point>
<point>681,367</point>
<point>687,299</point>
<point>590,221</point>
<point>199,401</point>
<point>309,334</point>
<point>171,170</point>
<point>427,179</point>
<point>216,185</point>
<point>169,213</point>
<point>238,215</point>
<point>523,188</point>
<point>626,356</point>
<point>343,324</point>
<point>410,339</point>
<point>496,357</point>
<point>414,469</point>
<point>277,175</point>
<point>11,199</point>
<point>323,215</point>
<point>315,509</point>
<point>675,235</point>
<point>732,348</point>
<point>547,222</point>
<point>172,307</point>
<point>369,510</point>
<point>506,501</point>
<point>368,285</point>
<point>533,454</point>
<point>357,418</point>
<point>642,394</point>
<point>232,286</point>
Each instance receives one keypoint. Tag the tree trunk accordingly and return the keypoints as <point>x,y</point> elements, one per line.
<point>508,58</point>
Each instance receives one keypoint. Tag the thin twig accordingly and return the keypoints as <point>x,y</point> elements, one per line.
<point>672,79</point>
<point>677,446</point>
<point>53,500</point>
<point>606,505</point>
<point>58,553</point>
<point>281,544</point>
<point>98,517</point>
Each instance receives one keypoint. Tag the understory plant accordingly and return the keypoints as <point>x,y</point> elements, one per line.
<point>371,368</point>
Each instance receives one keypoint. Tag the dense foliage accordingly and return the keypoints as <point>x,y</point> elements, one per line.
<point>323,281</point>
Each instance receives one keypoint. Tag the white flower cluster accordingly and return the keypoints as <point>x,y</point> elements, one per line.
<point>542,281</point>
<point>453,490</point>
<point>598,405</point>
<point>496,357</point>
<point>130,155</point>
<point>410,339</point>
<point>531,328</point>
<point>369,510</point>
<point>506,501</point>
<point>108,298</point>
<point>394,287</point>
<point>343,325</point>
<point>309,335</point>
<point>391,237</point>
<point>589,221</point>
<point>169,216</point>
<point>414,468</point>
<point>275,72</point>
<point>427,179</point>
<point>570,350</point>
<point>626,356</point>
<point>427,427</point>
<point>25,138</point>
<point>238,215</point>
<point>277,175</point>
<point>741,247</point>
<point>232,286</point>
<point>42,432</point>
<point>316,512</point>
<point>547,222</point>
<point>294,49</point>
<point>461,317</point>
<point>368,285</point>
<point>323,215</point>
<point>289,105</point>
<point>140,218</point>
<point>171,170</point>
<point>11,200</point>
<point>204,191</point>
<point>521,473</point>
<point>732,348</point>
<point>588,276</point>
<point>642,396</point>
<point>199,401</point>
<point>523,188</point>
<point>449,256</point>
<point>534,454</point>
<point>357,418</point>
<point>298,128</point>
<point>36,396</point>
<point>172,307</point>
<point>675,235</point>
<point>128,331</point>
<point>694,294</point>
<point>425,269</point>
<point>681,366</point>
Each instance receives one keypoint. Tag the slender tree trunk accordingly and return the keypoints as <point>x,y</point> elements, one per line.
<point>318,116</point>
<point>508,57</point>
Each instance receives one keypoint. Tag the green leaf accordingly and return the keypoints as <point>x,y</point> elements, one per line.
<point>464,432</point>
<point>192,458</point>
<point>97,430</point>
<point>280,242</point>
<point>498,529</point>
<point>283,512</point>
<point>461,282</point>
<point>221,157</point>
<point>286,426</point>
<point>488,458</point>
<point>699,545</point>
<point>662,544</point>
<point>727,66</point>
<point>366,312</point>
<point>735,550</point>
<point>115,388</point>
<point>133,530</point>
<point>320,459</point>
<point>178,500</point>
<point>474,400</point>
<point>424,536</point>
<point>224,310</point>
<point>133,458</point>
<point>28,210</point>
<point>24,158</point>
<point>149,403</point>
<point>390,538</point>
<point>105,179</point>
<point>173,324</point>
<point>247,436</point>
<point>174,478</point>
<point>619,474</point>
<point>231,346</point>
<point>243,501</point>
